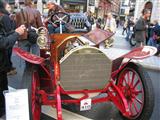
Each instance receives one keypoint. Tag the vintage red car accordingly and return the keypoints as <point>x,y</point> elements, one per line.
<point>73,70</point>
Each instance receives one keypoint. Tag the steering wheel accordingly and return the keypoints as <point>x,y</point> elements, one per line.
<point>60,18</point>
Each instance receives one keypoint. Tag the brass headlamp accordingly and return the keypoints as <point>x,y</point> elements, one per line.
<point>42,39</point>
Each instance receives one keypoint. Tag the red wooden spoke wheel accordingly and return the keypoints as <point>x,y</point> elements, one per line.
<point>31,82</point>
<point>137,88</point>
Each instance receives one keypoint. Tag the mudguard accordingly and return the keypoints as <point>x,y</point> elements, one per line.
<point>28,56</point>
<point>141,52</point>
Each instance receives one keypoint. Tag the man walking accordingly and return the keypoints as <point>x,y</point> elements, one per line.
<point>141,28</point>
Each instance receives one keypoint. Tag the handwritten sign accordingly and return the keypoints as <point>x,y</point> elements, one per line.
<point>17,107</point>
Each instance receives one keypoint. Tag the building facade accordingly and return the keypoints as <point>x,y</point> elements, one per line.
<point>74,5</point>
<point>115,7</point>
<point>102,7</point>
<point>153,5</point>
<point>127,8</point>
<point>99,7</point>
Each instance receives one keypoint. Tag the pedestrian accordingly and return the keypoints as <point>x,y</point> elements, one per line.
<point>130,25</point>
<point>31,17</point>
<point>141,28</point>
<point>12,69</point>
<point>98,23</point>
<point>8,37</point>
<point>110,23</point>
<point>154,39</point>
<point>90,17</point>
<point>111,27</point>
<point>125,27</point>
<point>52,9</point>
<point>117,21</point>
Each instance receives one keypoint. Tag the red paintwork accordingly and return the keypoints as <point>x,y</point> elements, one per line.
<point>27,56</point>
<point>141,52</point>
<point>115,93</point>
<point>43,53</point>
<point>132,92</point>
<point>58,103</point>
<point>99,37</point>
<point>36,108</point>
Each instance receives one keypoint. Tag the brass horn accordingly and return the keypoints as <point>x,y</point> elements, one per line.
<point>42,39</point>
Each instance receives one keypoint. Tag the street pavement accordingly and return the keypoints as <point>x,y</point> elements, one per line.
<point>104,111</point>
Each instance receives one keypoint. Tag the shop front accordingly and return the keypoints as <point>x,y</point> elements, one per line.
<point>74,6</point>
<point>103,8</point>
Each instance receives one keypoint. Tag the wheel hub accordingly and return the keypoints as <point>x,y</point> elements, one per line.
<point>128,92</point>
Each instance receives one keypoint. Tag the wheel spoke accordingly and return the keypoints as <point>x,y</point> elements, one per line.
<point>128,77</point>
<point>139,101</point>
<point>135,107</point>
<point>138,81</point>
<point>130,105</point>
<point>126,83</point>
<point>137,92</point>
<point>133,77</point>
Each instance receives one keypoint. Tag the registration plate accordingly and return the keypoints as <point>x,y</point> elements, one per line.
<point>85,104</point>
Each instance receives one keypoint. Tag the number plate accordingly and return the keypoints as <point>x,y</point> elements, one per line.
<point>85,104</point>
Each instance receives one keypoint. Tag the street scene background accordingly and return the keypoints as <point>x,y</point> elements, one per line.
<point>122,11</point>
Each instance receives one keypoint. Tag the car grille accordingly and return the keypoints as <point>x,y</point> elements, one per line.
<point>85,68</point>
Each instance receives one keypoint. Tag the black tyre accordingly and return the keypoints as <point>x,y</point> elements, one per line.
<point>132,40</point>
<point>137,87</point>
<point>31,82</point>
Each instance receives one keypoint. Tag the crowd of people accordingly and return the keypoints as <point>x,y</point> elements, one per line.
<point>145,33</point>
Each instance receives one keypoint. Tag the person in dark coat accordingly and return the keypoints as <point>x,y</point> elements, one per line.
<point>12,70</point>
<point>153,34</point>
<point>8,37</point>
<point>141,28</point>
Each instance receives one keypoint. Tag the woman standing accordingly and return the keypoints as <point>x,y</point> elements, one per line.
<point>8,37</point>
<point>111,27</point>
